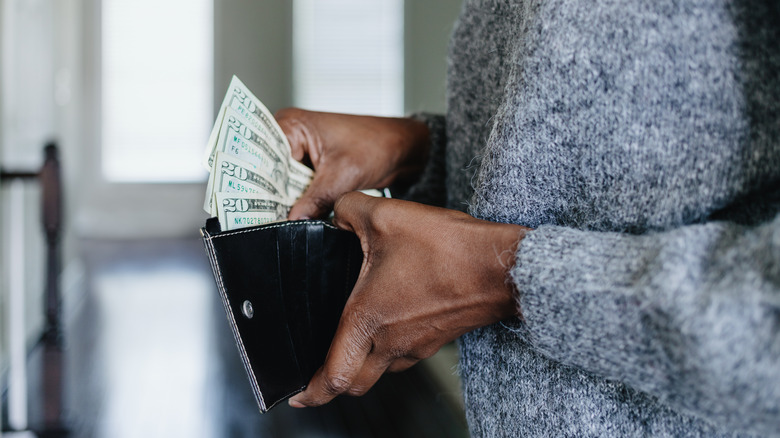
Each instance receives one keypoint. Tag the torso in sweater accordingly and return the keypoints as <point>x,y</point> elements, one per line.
<point>610,116</point>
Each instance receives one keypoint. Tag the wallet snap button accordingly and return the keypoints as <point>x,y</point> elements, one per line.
<point>247,309</point>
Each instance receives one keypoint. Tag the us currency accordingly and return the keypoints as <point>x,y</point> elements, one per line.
<point>299,170</point>
<point>240,99</point>
<point>232,175</point>
<point>240,210</point>
<point>238,139</point>
<point>296,185</point>
<point>299,178</point>
<point>251,165</point>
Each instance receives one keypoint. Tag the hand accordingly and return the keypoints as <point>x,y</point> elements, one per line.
<point>429,275</point>
<point>351,152</point>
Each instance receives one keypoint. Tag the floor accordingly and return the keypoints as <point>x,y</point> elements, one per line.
<point>149,354</point>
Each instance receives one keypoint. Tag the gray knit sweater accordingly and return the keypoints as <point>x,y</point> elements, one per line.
<point>641,139</point>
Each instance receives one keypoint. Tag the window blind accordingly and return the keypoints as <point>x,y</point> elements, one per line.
<point>348,56</point>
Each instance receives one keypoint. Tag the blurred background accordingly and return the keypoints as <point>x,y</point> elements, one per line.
<point>127,92</point>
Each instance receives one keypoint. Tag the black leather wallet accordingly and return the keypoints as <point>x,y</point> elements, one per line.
<point>284,286</point>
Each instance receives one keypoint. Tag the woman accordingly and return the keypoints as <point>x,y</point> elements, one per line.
<point>618,271</point>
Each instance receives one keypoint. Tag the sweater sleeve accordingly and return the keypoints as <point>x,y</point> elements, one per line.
<point>430,187</point>
<point>690,315</point>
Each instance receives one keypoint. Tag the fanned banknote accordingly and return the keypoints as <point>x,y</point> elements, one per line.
<point>243,102</point>
<point>236,137</point>
<point>232,175</point>
<point>240,210</point>
<point>254,179</point>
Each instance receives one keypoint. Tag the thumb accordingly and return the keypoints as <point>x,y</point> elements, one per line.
<point>351,211</point>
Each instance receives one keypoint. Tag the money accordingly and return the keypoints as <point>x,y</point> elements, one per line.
<point>299,178</point>
<point>232,175</point>
<point>239,210</point>
<point>237,138</point>
<point>296,187</point>
<point>253,178</point>
<point>300,171</point>
<point>242,101</point>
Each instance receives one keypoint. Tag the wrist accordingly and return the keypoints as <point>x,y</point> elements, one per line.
<point>414,148</point>
<point>498,244</point>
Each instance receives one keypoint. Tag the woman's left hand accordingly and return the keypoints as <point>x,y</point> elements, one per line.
<point>429,275</point>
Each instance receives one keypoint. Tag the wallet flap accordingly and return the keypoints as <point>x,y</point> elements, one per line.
<point>284,286</point>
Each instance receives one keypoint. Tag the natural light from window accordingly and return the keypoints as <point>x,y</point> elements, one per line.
<point>157,81</point>
<point>349,56</point>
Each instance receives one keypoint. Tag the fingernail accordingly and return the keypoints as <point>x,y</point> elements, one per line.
<point>295,403</point>
<point>304,218</point>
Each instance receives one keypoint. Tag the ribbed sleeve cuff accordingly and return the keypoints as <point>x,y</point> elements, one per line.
<point>576,291</point>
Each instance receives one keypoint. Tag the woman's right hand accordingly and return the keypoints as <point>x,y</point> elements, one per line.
<point>350,152</point>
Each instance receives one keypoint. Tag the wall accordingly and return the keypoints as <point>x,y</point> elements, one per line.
<point>428,27</point>
<point>253,40</point>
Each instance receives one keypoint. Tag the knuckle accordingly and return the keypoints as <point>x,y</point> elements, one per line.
<point>358,390</point>
<point>352,167</point>
<point>336,383</point>
<point>365,323</point>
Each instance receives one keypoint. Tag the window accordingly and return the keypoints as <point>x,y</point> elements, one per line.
<point>157,81</point>
<point>348,56</point>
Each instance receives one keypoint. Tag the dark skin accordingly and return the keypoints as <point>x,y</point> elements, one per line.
<point>429,274</point>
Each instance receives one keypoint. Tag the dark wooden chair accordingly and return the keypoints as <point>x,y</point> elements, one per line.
<point>50,180</point>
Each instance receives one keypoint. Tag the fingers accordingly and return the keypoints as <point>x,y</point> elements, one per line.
<point>287,120</point>
<point>316,201</point>
<point>343,366</point>
<point>299,126</point>
<point>320,198</point>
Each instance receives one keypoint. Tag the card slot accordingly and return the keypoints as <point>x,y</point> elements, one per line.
<point>318,295</point>
<point>292,273</point>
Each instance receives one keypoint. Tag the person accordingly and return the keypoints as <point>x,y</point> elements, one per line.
<point>595,218</point>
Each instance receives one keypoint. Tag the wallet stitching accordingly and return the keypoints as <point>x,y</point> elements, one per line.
<point>234,327</point>
<point>288,395</point>
<point>280,225</point>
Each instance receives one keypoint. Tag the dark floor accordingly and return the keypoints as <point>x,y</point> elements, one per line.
<point>149,354</point>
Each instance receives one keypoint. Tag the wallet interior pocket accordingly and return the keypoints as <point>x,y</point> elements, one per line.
<point>284,286</point>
